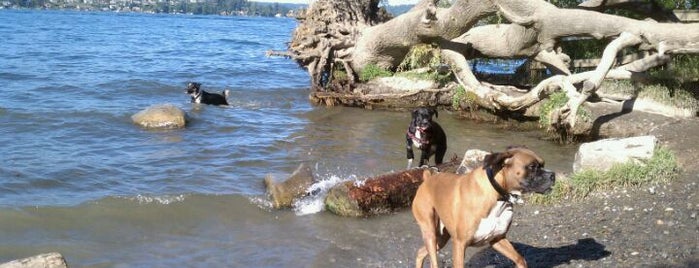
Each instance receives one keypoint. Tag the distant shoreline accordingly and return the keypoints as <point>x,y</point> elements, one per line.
<point>178,7</point>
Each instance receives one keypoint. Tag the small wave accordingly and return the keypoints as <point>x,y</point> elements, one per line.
<point>159,199</point>
<point>262,202</point>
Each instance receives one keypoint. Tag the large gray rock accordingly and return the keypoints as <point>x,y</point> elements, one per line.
<point>603,154</point>
<point>160,116</point>
<point>48,260</point>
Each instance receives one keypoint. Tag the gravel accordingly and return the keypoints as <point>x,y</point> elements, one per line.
<point>649,226</point>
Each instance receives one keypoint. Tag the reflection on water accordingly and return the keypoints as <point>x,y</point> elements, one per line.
<point>369,142</point>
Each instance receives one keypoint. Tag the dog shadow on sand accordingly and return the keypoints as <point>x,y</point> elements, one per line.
<point>585,249</point>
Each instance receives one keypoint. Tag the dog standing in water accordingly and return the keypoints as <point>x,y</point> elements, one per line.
<point>201,96</point>
<point>426,135</point>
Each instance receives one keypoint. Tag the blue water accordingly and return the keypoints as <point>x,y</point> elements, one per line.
<point>79,178</point>
<point>72,80</point>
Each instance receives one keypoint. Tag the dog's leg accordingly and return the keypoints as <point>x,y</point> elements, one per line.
<point>427,220</point>
<point>409,150</point>
<point>439,155</point>
<point>420,257</point>
<point>458,252</point>
<point>505,248</point>
<point>425,156</point>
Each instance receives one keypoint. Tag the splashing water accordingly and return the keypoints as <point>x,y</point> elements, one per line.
<point>315,202</point>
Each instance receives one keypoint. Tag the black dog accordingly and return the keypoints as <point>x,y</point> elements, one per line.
<point>200,96</point>
<point>426,135</point>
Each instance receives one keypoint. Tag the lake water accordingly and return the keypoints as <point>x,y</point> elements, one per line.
<point>79,178</point>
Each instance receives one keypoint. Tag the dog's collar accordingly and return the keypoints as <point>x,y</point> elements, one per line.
<point>504,195</point>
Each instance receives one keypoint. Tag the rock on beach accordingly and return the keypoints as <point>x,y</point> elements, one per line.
<point>603,154</point>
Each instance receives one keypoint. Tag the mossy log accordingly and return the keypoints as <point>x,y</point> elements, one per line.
<point>378,195</point>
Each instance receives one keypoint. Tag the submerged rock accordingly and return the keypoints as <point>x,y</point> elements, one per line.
<point>160,116</point>
<point>47,260</point>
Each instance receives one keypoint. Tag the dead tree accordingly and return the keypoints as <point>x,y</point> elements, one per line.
<point>351,35</point>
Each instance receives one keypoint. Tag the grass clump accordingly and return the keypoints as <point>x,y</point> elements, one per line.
<point>462,98</point>
<point>555,101</point>
<point>665,94</point>
<point>372,71</point>
<point>672,97</point>
<point>660,168</point>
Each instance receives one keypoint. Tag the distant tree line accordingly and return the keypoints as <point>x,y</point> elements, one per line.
<point>208,7</point>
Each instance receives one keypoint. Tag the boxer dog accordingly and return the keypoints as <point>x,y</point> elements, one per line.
<point>476,208</point>
<point>200,96</point>
<point>426,135</point>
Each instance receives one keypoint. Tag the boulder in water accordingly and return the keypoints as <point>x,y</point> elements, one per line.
<point>160,116</point>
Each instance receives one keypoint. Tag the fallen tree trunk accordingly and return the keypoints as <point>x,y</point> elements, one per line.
<point>378,195</point>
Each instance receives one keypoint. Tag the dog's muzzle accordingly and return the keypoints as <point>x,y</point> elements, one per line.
<point>541,183</point>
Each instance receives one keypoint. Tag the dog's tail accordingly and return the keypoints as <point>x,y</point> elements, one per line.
<point>226,93</point>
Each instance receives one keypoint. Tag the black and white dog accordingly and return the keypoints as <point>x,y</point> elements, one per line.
<point>426,135</point>
<point>200,96</point>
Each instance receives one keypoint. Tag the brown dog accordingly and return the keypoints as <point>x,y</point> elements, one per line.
<point>476,208</point>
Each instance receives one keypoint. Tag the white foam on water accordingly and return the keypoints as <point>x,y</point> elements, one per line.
<point>160,199</point>
<point>262,202</point>
<point>315,202</point>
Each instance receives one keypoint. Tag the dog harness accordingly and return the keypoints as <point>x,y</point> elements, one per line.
<point>418,139</point>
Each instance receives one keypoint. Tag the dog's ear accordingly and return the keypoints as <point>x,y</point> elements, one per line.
<point>414,113</point>
<point>197,85</point>
<point>496,161</point>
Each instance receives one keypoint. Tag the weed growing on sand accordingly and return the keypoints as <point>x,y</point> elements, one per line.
<point>660,168</point>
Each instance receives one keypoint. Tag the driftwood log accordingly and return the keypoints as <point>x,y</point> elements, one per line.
<point>375,195</point>
<point>390,192</point>
<point>378,195</point>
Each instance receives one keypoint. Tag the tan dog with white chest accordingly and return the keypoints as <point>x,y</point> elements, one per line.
<point>476,208</point>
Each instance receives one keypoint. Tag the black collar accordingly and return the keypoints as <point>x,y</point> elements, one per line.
<point>504,195</point>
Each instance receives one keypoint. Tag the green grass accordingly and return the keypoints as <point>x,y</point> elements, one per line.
<point>661,168</point>
<point>372,71</point>
<point>463,98</point>
<point>555,101</point>
<point>658,92</point>
<point>675,97</point>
